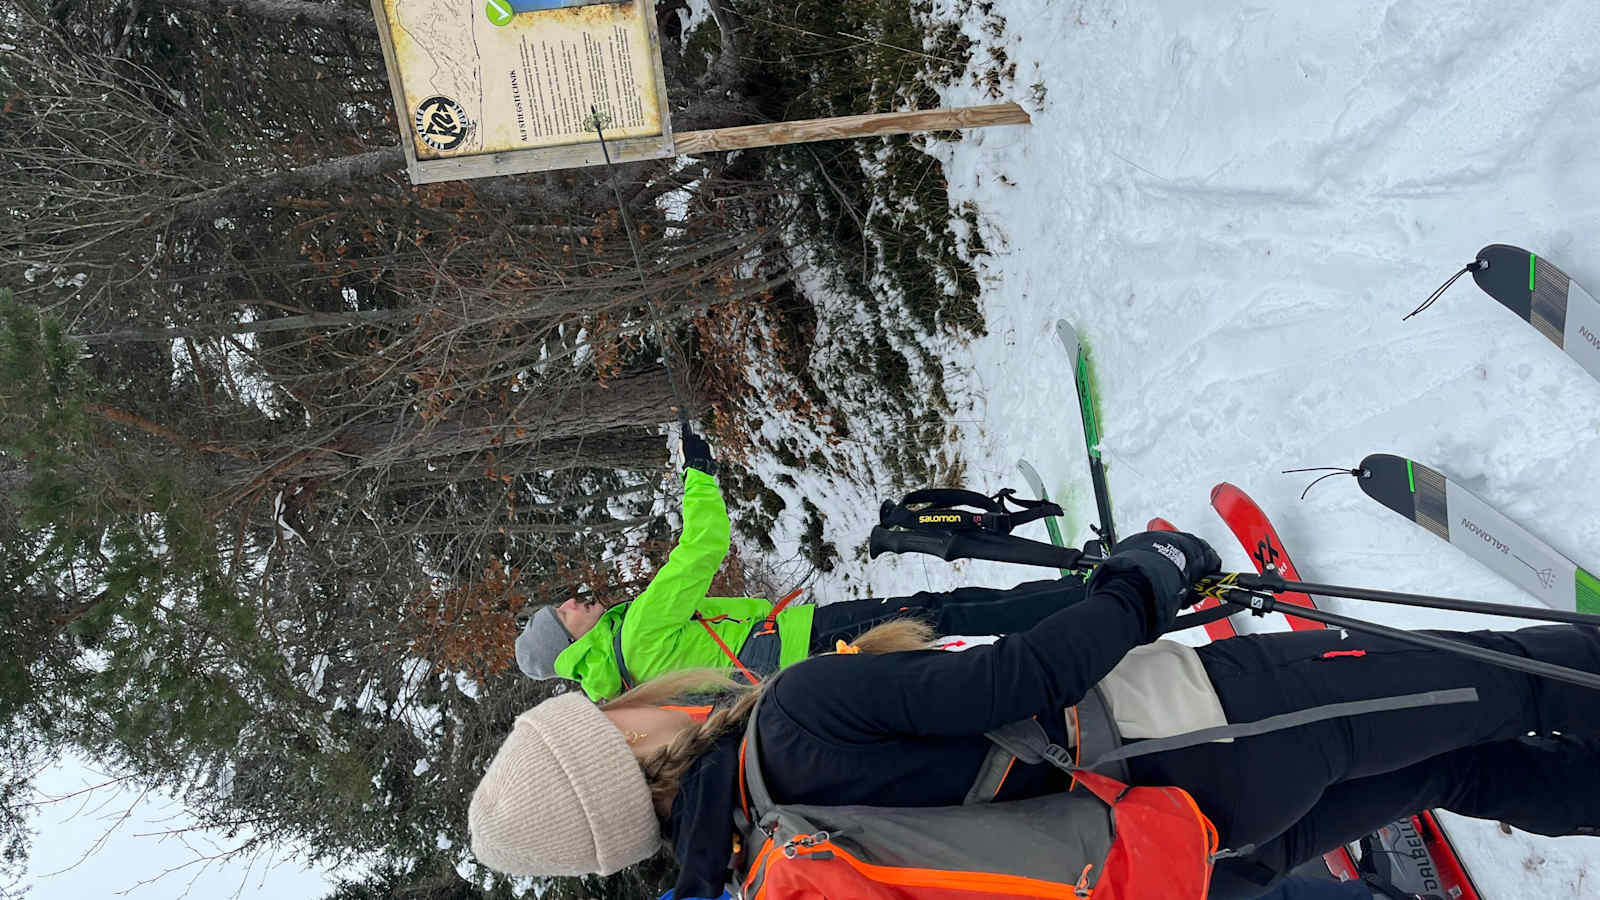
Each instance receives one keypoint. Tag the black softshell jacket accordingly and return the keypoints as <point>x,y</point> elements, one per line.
<point>906,729</point>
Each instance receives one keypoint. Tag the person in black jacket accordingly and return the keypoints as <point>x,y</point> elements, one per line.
<point>580,789</point>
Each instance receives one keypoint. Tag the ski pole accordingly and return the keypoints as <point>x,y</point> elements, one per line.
<point>1277,583</point>
<point>952,545</point>
<point>1263,604</point>
<point>638,264</point>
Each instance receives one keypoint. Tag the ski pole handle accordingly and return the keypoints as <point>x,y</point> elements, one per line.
<point>935,543</point>
<point>974,545</point>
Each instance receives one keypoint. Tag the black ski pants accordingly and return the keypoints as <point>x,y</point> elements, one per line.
<point>1296,793</point>
<point>967,610</point>
<point>1543,785</point>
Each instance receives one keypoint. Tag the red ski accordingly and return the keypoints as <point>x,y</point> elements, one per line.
<point>1221,629</point>
<point>1251,526</point>
<point>1457,883</point>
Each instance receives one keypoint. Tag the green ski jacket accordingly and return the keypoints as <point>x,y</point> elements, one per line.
<point>659,630</point>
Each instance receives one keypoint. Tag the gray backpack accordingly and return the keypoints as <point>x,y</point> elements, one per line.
<point>1102,838</point>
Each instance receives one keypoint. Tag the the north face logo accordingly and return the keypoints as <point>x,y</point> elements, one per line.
<point>1172,553</point>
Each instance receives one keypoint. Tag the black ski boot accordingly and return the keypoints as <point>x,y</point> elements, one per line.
<point>1382,867</point>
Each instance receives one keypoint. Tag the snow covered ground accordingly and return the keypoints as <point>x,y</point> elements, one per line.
<point>1236,204</point>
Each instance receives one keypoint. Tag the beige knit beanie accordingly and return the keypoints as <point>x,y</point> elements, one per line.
<point>564,796</point>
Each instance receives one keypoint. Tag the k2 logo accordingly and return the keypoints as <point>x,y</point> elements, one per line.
<point>1266,556</point>
<point>441,123</point>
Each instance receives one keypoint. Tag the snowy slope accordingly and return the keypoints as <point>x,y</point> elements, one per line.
<point>1237,205</point>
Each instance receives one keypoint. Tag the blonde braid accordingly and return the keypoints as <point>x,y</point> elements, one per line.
<point>664,771</point>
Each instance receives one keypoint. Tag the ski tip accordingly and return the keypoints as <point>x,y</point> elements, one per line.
<point>1390,480</point>
<point>1502,252</point>
<point>1159,524</point>
<point>1220,488</point>
<point>1508,277</point>
<point>1380,461</point>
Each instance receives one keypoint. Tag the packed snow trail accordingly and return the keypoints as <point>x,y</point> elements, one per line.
<point>1242,204</point>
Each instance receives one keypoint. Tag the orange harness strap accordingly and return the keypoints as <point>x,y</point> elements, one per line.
<point>727,652</point>
<point>769,625</point>
<point>787,599</point>
<point>696,713</point>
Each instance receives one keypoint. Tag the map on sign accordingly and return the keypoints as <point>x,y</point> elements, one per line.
<point>494,76</point>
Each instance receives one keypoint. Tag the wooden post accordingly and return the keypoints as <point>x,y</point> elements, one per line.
<point>873,125</point>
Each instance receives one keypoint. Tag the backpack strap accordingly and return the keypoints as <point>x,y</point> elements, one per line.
<point>1008,744</point>
<point>756,801</point>
<point>1289,720</point>
<point>762,651</point>
<point>622,666</point>
<point>1097,733</point>
<point>1092,730</point>
<point>1098,740</point>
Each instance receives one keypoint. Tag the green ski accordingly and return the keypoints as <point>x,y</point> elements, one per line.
<point>1036,484</point>
<point>1091,429</point>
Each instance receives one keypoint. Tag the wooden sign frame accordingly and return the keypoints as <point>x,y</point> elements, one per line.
<point>533,159</point>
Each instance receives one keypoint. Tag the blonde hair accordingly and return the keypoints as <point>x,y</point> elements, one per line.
<point>664,771</point>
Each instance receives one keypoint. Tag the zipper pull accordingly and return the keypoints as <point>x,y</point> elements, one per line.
<point>1082,888</point>
<point>791,849</point>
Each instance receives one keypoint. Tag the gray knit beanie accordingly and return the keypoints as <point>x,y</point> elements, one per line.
<point>564,796</point>
<point>541,641</point>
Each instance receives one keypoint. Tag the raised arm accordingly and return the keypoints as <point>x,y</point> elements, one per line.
<point>1132,599</point>
<point>678,587</point>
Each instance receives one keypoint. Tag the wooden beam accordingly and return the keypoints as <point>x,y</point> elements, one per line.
<point>872,125</point>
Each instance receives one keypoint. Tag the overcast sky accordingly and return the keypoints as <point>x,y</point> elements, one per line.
<point>82,851</point>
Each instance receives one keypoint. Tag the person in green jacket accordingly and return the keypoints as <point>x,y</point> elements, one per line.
<point>673,625</point>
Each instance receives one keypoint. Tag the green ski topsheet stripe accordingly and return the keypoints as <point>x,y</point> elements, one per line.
<point>1091,420</point>
<point>1411,477</point>
<point>1587,588</point>
<point>1532,258</point>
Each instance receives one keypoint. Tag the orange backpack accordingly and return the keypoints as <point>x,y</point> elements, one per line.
<point>1108,841</point>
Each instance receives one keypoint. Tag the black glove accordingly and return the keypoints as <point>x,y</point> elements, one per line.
<point>697,453</point>
<point>1171,561</point>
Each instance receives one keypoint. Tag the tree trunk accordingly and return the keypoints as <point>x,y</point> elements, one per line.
<point>257,190</point>
<point>472,526</point>
<point>725,70</point>
<point>290,12</point>
<point>282,323</point>
<point>628,450</point>
<point>582,412</point>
